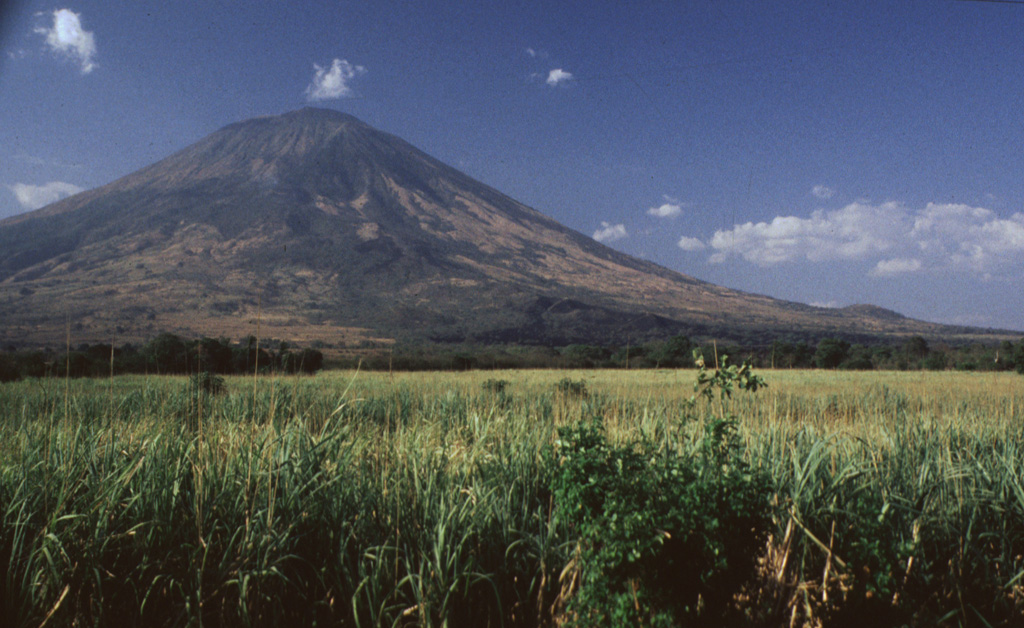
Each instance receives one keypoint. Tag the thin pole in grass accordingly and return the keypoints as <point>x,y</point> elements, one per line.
<point>256,361</point>
<point>110,387</point>
<point>197,467</point>
<point>67,363</point>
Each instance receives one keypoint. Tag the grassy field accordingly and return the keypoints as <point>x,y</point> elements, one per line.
<point>514,498</point>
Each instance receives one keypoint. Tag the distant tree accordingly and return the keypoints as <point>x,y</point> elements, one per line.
<point>675,352</point>
<point>830,353</point>
<point>462,361</point>
<point>781,355</point>
<point>75,364</point>
<point>310,361</point>
<point>9,367</point>
<point>858,359</point>
<point>882,354</point>
<point>585,356</point>
<point>167,353</point>
<point>803,356</point>
<point>246,358</point>
<point>916,347</point>
<point>936,361</point>
<point>214,355</point>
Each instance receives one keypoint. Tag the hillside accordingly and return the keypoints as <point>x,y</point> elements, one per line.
<point>324,228</point>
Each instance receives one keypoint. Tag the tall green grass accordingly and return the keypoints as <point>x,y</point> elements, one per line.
<point>427,499</point>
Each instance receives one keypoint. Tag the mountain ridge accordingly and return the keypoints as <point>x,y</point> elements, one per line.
<point>325,228</point>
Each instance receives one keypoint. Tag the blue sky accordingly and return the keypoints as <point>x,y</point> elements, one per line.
<point>824,152</point>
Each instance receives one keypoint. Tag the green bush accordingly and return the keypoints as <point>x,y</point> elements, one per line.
<point>571,388</point>
<point>666,536</point>
<point>495,386</point>
<point>208,383</point>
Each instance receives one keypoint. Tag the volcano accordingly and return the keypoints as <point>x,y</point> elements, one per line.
<point>315,226</point>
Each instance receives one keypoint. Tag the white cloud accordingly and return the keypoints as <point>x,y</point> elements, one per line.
<point>691,244</point>
<point>36,196</point>
<point>856,231</point>
<point>67,37</point>
<point>666,210</point>
<point>610,233</point>
<point>972,237</point>
<point>895,266</point>
<point>558,76</point>
<point>333,83</point>
<point>823,192</point>
<point>897,239</point>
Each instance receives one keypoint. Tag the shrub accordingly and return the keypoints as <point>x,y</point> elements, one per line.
<point>208,383</point>
<point>665,536</point>
<point>571,388</point>
<point>495,385</point>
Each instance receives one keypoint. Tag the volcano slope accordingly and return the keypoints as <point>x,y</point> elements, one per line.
<point>319,227</point>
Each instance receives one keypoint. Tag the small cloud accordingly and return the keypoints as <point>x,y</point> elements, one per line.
<point>691,244</point>
<point>666,210</point>
<point>610,233</point>
<point>67,37</point>
<point>531,52</point>
<point>558,76</point>
<point>333,83</point>
<point>823,192</point>
<point>895,266</point>
<point>831,305</point>
<point>36,196</point>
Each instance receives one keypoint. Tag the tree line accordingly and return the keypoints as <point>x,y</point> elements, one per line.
<point>171,354</point>
<point>913,353</point>
<point>165,354</point>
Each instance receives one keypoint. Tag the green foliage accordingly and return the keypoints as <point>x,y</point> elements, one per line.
<point>936,361</point>
<point>495,385</point>
<point>571,388</point>
<point>585,356</point>
<point>208,383</point>
<point>830,353</point>
<point>167,353</point>
<point>858,359</point>
<point>676,352</point>
<point>164,354</point>
<point>916,347</point>
<point>666,536</point>
<point>424,499</point>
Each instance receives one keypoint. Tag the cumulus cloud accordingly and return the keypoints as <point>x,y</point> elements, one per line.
<point>974,237</point>
<point>898,239</point>
<point>333,82</point>
<point>558,76</point>
<point>823,192</point>
<point>65,36</point>
<point>609,232</point>
<point>853,232</point>
<point>666,210</point>
<point>691,244</point>
<point>36,196</point>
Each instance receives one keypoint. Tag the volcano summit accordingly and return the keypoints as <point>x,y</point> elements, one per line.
<point>324,228</point>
